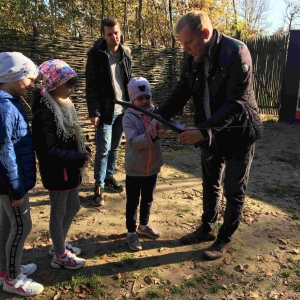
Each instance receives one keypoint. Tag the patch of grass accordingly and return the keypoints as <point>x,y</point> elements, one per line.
<point>296,216</point>
<point>190,283</point>
<point>200,279</point>
<point>153,293</point>
<point>297,285</point>
<point>297,272</point>
<point>182,212</point>
<point>221,272</point>
<point>215,288</point>
<point>285,273</point>
<point>128,259</point>
<point>280,190</point>
<point>290,259</point>
<point>177,290</point>
<point>93,282</point>
<point>298,225</point>
<point>218,226</point>
<point>289,210</point>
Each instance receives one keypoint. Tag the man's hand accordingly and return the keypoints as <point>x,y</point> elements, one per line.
<point>191,135</point>
<point>162,133</point>
<point>152,129</point>
<point>95,121</point>
<point>17,203</point>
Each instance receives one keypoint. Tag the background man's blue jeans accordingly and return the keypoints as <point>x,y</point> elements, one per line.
<point>108,139</point>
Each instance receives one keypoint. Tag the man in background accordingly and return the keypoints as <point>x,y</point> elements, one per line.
<point>108,71</point>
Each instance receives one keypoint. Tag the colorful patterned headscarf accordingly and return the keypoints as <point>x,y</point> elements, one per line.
<point>55,73</point>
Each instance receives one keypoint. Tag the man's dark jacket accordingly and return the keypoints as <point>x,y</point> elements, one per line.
<point>99,83</point>
<point>235,122</point>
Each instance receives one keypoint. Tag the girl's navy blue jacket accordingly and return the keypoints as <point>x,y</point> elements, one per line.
<point>59,160</point>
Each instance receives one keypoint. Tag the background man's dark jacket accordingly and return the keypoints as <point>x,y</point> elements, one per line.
<point>99,86</point>
<point>232,99</point>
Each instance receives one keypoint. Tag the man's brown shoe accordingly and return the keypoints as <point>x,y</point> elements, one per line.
<point>217,250</point>
<point>199,236</point>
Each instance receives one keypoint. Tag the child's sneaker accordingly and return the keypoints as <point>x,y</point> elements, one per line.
<point>69,261</point>
<point>25,269</point>
<point>133,241</point>
<point>148,230</point>
<point>22,285</point>
<point>69,247</point>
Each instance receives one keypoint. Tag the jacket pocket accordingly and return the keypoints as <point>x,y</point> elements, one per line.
<point>217,80</point>
<point>65,174</point>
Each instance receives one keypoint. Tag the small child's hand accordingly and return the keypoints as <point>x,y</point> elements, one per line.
<point>163,133</point>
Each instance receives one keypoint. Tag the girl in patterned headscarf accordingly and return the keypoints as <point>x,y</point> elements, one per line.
<point>62,155</point>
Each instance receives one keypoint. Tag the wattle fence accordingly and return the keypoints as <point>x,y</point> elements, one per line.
<point>161,66</point>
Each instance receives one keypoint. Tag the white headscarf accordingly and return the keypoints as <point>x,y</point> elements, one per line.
<point>15,66</point>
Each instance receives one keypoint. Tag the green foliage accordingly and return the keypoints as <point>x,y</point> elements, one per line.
<point>93,282</point>
<point>280,190</point>
<point>78,17</point>
<point>154,293</point>
<point>175,289</point>
<point>215,288</point>
<point>190,283</point>
<point>285,273</point>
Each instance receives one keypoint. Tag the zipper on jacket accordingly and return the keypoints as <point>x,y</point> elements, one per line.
<point>150,149</point>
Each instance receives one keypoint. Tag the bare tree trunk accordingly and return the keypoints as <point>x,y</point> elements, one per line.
<point>140,21</point>
<point>237,32</point>
<point>102,12</point>
<point>171,24</point>
<point>125,20</point>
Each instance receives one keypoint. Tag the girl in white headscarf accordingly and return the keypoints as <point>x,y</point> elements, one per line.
<point>17,173</point>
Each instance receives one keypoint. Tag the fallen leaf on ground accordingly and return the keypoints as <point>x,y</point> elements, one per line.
<point>228,261</point>
<point>47,278</point>
<point>283,241</point>
<point>56,297</point>
<point>294,251</point>
<point>103,257</point>
<point>253,295</point>
<point>150,280</point>
<point>242,267</point>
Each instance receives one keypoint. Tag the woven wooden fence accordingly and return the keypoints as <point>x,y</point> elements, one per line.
<point>269,59</point>
<point>159,65</point>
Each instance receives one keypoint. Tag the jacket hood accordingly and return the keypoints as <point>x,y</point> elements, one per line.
<point>98,44</point>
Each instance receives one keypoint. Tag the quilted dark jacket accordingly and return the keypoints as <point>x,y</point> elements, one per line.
<point>235,123</point>
<point>99,87</point>
<point>59,161</point>
<point>17,160</point>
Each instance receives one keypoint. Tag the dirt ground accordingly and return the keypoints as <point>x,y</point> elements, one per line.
<point>264,262</point>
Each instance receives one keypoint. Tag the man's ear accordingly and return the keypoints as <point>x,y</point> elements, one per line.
<point>206,33</point>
